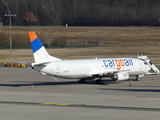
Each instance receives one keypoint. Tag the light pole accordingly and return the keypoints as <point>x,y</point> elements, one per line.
<point>10,15</point>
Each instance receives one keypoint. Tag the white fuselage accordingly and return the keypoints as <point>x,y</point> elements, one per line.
<point>86,68</point>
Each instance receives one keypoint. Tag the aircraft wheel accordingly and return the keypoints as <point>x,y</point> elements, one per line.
<point>81,80</point>
<point>99,81</point>
<point>137,79</point>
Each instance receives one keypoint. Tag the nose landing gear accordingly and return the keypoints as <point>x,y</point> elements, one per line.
<point>137,78</point>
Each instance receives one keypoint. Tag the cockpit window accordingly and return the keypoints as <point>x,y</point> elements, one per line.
<point>145,63</point>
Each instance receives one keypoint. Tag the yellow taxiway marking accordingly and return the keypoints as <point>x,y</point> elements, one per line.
<point>63,104</point>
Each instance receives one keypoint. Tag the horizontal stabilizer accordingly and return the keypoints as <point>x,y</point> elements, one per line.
<point>42,63</point>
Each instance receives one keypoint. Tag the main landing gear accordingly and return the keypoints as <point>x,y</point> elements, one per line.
<point>137,78</point>
<point>81,80</point>
<point>98,81</point>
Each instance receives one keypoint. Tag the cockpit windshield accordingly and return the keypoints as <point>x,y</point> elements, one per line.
<point>145,63</point>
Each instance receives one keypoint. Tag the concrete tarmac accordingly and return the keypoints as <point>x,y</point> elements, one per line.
<point>26,94</point>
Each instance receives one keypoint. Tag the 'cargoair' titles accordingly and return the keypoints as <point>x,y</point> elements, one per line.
<point>118,63</point>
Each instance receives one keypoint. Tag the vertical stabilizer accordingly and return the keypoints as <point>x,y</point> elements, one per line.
<point>39,52</point>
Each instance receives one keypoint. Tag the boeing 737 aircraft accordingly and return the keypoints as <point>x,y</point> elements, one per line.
<point>85,69</point>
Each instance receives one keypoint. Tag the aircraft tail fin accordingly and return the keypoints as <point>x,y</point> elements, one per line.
<point>39,52</point>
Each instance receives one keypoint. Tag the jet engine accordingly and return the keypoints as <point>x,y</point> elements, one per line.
<point>120,76</point>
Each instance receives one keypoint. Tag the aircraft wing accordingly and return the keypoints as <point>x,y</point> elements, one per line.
<point>108,72</point>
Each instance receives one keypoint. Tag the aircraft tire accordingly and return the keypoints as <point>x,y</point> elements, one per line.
<point>81,80</point>
<point>99,81</point>
<point>137,79</point>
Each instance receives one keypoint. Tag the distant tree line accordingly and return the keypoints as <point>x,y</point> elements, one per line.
<point>82,12</point>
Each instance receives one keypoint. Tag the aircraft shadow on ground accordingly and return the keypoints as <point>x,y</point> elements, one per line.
<point>27,83</point>
<point>132,90</point>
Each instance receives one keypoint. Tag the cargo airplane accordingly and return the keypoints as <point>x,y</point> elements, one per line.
<point>87,69</point>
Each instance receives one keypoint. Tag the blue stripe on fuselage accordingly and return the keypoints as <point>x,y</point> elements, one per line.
<point>36,45</point>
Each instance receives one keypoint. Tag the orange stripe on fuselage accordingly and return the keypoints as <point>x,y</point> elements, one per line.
<point>32,36</point>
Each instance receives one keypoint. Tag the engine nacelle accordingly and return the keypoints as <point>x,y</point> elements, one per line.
<point>120,76</point>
